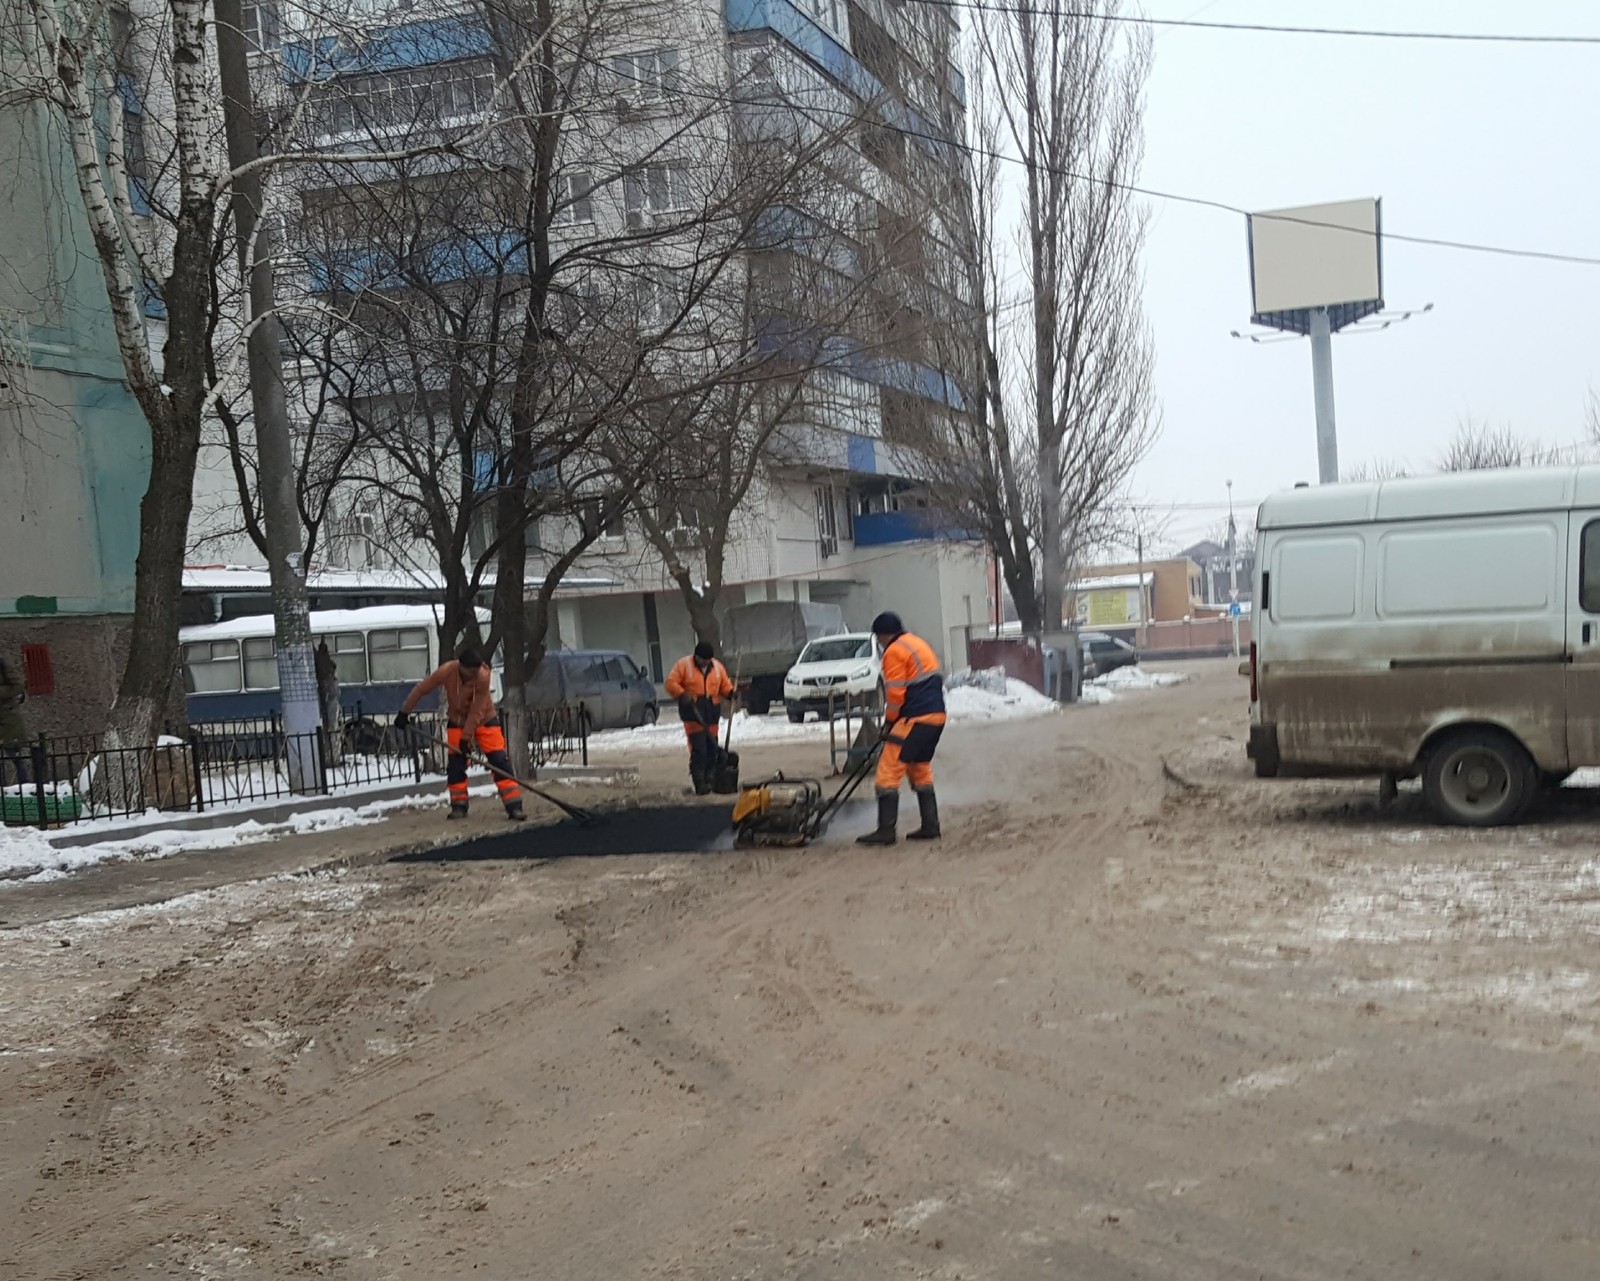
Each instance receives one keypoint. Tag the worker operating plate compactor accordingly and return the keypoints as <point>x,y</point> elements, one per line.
<point>790,812</point>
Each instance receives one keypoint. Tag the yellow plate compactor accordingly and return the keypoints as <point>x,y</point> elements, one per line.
<point>790,812</point>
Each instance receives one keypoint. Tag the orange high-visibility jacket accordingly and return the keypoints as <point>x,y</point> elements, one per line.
<point>468,701</point>
<point>913,684</point>
<point>686,678</point>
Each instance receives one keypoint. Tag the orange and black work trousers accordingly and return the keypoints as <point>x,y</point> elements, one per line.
<point>491,741</point>
<point>908,751</point>
<point>705,750</point>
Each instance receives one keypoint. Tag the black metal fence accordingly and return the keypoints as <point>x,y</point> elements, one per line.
<point>48,782</point>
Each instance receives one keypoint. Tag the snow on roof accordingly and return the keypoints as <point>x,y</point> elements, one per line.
<point>215,578</point>
<point>325,621</point>
<point>1108,584</point>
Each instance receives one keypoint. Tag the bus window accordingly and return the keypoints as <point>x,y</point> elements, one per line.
<point>349,650</point>
<point>260,663</point>
<point>398,655</point>
<point>212,667</point>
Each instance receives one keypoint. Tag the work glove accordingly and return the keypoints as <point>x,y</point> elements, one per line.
<point>687,712</point>
<point>402,719</point>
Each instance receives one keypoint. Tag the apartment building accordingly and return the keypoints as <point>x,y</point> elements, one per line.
<point>674,100</point>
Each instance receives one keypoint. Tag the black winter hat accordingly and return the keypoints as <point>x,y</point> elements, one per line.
<point>469,657</point>
<point>705,650</point>
<point>887,624</point>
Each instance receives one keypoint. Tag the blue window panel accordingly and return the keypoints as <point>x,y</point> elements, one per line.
<point>456,258</point>
<point>876,529</point>
<point>414,44</point>
<point>151,302</point>
<point>863,454</point>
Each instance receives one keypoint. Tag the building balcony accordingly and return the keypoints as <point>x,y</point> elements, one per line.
<point>880,529</point>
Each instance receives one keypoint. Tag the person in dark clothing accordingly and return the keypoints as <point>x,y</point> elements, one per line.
<point>13,729</point>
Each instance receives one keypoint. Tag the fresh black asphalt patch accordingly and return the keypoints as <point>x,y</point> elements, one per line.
<point>664,829</point>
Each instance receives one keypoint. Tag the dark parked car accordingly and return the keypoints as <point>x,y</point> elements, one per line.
<point>1102,654</point>
<point>614,690</point>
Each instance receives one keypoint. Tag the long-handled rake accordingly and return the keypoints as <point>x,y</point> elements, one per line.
<point>583,817</point>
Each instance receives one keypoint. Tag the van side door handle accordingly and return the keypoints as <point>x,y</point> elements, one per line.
<point>1588,631</point>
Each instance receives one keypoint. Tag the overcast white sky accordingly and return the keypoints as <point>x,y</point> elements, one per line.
<point>1490,143</point>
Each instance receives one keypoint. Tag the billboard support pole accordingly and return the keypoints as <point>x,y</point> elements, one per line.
<point>1322,391</point>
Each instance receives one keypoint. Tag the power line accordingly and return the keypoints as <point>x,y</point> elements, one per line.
<point>1204,202</point>
<point>1368,33</point>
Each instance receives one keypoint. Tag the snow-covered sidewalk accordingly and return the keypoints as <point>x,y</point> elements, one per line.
<point>26,853</point>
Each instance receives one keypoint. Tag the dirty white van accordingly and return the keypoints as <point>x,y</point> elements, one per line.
<point>1445,627</point>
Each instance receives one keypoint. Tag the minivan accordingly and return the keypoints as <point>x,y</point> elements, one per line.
<point>1445,628</point>
<point>615,691</point>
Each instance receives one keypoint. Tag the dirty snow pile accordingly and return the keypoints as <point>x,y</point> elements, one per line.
<point>1104,689</point>
<point>982,703</point>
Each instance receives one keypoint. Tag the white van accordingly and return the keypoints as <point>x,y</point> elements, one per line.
<point>1445,627</point>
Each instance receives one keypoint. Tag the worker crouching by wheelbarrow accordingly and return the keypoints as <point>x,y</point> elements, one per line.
<point>914,718</point>
<point>700,684</point>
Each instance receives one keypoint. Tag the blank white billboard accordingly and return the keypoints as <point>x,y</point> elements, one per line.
<point>1316,256</point>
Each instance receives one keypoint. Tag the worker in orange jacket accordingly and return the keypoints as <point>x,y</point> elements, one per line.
<point>473,724</point>
<point>700,684</point>
<point>913,720</point>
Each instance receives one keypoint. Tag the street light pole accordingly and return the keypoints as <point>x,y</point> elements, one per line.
<point>1233,573</point>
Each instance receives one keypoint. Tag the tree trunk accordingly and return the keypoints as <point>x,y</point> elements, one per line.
<point>703,615</point>
<point>147,686</point>
<point>1052,569</point>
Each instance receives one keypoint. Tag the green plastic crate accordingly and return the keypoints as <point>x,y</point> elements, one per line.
<point>25,808</point>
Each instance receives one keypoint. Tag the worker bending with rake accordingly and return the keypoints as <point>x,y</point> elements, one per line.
<point>699,682</point>
<point>913,720</point>
<point>474,725</point>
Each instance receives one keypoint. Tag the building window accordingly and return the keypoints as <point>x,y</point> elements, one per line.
<point>660,297</point>
<point>649,76</point>
<point>406,99</point>
<point>574,199</point>
<point>827,13</point>
<point>259,20</point>
<point>600,518</point>
<point>827,520</point>
<point>656,189</point>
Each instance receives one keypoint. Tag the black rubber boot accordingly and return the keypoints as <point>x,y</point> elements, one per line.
<point>702,784</point>
<point>514,812</point>
<point>888,818</point>
<point>928,804</point>
<point>458,809</point>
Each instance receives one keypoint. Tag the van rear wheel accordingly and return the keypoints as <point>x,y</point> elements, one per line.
<point>1479,778</point>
